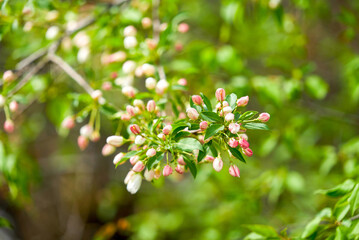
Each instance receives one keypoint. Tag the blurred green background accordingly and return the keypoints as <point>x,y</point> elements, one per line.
<point>296,59</point>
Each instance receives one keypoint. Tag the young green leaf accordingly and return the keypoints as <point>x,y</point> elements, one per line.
<point>258,126</point>
<point>247,115</point>
<point>263,230</point>
<point>154,160</point>
<point>237,154</point>
<point>188,144</point>
<point>211,116</point>
<point>213,130</point>
<point>190,164</point>
<point>339,190</point>
<point>207,103</point>
<point>232,100</point>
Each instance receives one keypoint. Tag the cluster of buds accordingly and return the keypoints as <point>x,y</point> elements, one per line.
<point>10,106</point>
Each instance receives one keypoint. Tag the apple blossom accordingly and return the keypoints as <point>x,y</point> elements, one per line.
<point>234,171</point>
<point>167,170</point>
<point>217,164</point>
<point>116,141</point>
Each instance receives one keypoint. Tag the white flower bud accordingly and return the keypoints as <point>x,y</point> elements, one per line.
<point>130,42</point>
<point>115,141</point>
<point>128,67</point>
<point>139,140</point>
<point>83,54</point>
<point>52,32</point>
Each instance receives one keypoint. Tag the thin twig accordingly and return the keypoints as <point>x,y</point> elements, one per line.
<point>71,72</point>
<point>354,218</point>
<point>156,23</point>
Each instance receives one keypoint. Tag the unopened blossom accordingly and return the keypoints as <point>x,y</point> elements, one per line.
<point>243,143</point>
<point>234,127</point>
<point>8,76</point>
<point>248,152</point>
<point>139,140</point>
<point>118,158</point>
<point>227,110</point>
<point>129,91</point>
<point>148,69</point>
<point>233,143</point>
<point>161,136</point>
<point>139,72</point>
<point>192,113</point>
<point>264,117</point>
<point>183,27</point>
<point>151,43</point>
<point>182,82</point>
<point>129,31</point>
<point>178,46</point>
<point>134,159</point>
<point>139,103</point>
<point>197,99</point>
<point>217,164</point>
<point>151,152</point>
<point>125,117</point>
<point>82,142</point>
<point>234,171</point>
<point>138,167</point>
<point>134,183</point>
<point>146,22</point>
<point>52,15</point>
<point>128,176</point>
<point>243,135</point>
<point>229,117</point>
<point>151,106</point>
<point>135,129</point>
<point>209,158</point>
<point>149,174</point>
<point>167,170</point>
<point>130,42</point>
<point>225,104</point>
<point>243,101</point>
<point>106,86</point>
<point>83,54</point>
<point>52,32</point>
<point>203,125</point>
<point>9,126</point>
<point>96,95</point>
<point>150,83</point>
<point>95,136</point>
<point>128,67</point>
<point>220,94</point>
<point>181,161</point>
<point>86,130</point>
<point>157,173</point>
<point>116,141</point>
<point>167,129</point>
<point>162,86</point>
<point>180,169</point>
<point>130,110</point>
<point>119,56</point>
<point>68,122</point>
<point>108,149</point>
<point>81,39</point>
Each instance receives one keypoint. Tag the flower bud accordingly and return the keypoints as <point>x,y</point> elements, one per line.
<point>151,106</point>
<point>161,136</point>
<point>148,69</point>
<point>130,42</point>
<point>166,130</point>
<point>248,152</point>
<point>229,117</point>
<point>182,82</point>
<point>157,173</point>
<point>225,104</point>
<point>149,175</point>
<point>234,171</point>
<point>217,164</point>
<point>180,168</point>
<point>233,143</point>
<point>86,131</point>
<point>151,152</point>
<point>108,149</point>
<point>8,76</point>
<point>130,110</point>
<point>106,86</point>
<point>139,140</point>
<point>139,166</point>
<point>150,83</point>
<point>227,110</point>
<point>162,86</point>
<point>167,170</point>
<point>243,143</point>
<point>82,142</point>
<point>163,26</point>
<point>243,135</point>
<point>95,136</point>
<point>129,91</point>
<point>81,39</point>
<point>128,67</point>
<point>68,122</point>
<point>134,159</point>
<point>83,54</point>
<point>182,115</point>
<point>135,129</point>
<point>181,161</point>
<point>220,94</point>
<point>52,32</point>
<point>115,141</point>
<point>129,31</point>
<point>125,117</point>
<point>209,158</point>
<point>197,99</point>
<point>243,101</point>
<point>146,22</point>
<point>134,183</point>
<point>129,176</point>
<point>192,113</point>
<point>151,43</point>
<point>183,27</point>
<point>96,95</point>
<point>119,56</point>
<point>9,126</point>
<point>234,127</point>
<point>263,117</point>
<point>118,158</point>
<point>203,125</point>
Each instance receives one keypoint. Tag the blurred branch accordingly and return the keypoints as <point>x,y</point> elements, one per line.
<point>156,31</point>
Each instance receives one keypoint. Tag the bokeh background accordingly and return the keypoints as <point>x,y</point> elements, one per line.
<point>296,59</point>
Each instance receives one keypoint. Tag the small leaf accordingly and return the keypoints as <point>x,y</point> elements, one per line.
<point>339,190</point>
<point>232,100</point>
<point>189,144</point>
<point>212,130</point>
<point>181,134</point>
<point>311,227</point>
<point>237,154</point>
<point>190,164</point>
<point>258,126</point>
<point>354,199</point>
<point>207,103</point>
<point>211,116</point>
<point>263,230</point>
<point>154,160</point>
<point>247,115</point>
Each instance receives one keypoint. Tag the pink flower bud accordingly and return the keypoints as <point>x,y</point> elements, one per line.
<point>167,170</point>
<point>181,161</point>
<point>183,27</point>
<point>192,113</point>
<point>129,91</point>
<point>135,129</point>
<point>229,117</point>
<point>233,143</point>
<point>243,101</point>
<point>95,136</point>
<point>134,159</point>
<point>106,86</point>
<point>161,136</point>
<point>220,94</point>
<point>139,166</point>
<point>166,130</point>
<point>146,22</point>
<point>108,149</point>
<point>8,76</point>
<point>264,117</point>
<point>162,86</point>
<point>118,158</point>
<point>13,106</point>
<point>130,110</point>
<point>139,140</point>
<point>9,126</point>
<point>148,69</point>
<point>150,83</point>
<point>151,106</point>
<point>82,142</point>
<point>234,171</point>
<point>227,110</point>
<point>182,115</point>
<point>115,141</point>
<point>248,152</point>
<point>151,43</point>
<point>151,152</point>
<point>203,125</point>
<point>178,46</point>
<point>129,31</point>
<point>217,164</point>
<point>68,122</point>
<point>86,131</point>
<point>180,169</point>
<point>149,175</point>
<point>234,127</point>
<point>243,135</point>
<point>182,82</point>
<point>129,175</point>
<point>197,99</point>
<point>225,104</point>
<point>209,158</point>
<point>113,75</point>
<point>243,143</point>
<point>96,95</point>
<point>125,117</point>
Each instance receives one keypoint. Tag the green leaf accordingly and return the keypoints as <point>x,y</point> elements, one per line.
<point>143,95</point>
<point>211,116</point>
<point>232,100</point>
<point>191,165</point>
<point>188,144</point>
<point>108,109</point>
<point>154,160</point>
<point>311,227</point>
<point>258,126</point>
<point>339,190</point>
<point>263,230</point>
<point>207,103</point>
<point>5,223</point>
<point>212,148</point>
<point>316,87</point>
<point>154,126</point>
<point>181,134</point>
<point>354,199</point>
<point>213,130</point>
<point>247,115</point>
<point>237,154</point>
<point>127,156</point>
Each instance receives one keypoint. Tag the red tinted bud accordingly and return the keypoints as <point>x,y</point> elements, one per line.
<point>108,149</point>
<point>233,143</point>
<point>181,161</point>
<point>248,152</point>
<point>234,128</point>
<point>13,106</point>
<point>243,143</point>
<point>68,123</point>
<point>182,82</point>
<point>217,164</point>
<point>135,129</point>
<point>243,101</point>
<point>9,126</point>
<point>151,152</point>
<point>125,117</point>
<point>82,142</point>
<point>183,27</point>
<point>209,158</point>
<point>134,159</point>
<point>264,117</point>
<point>106,86</point>
<point>234,171</point>
<point>197,99</point>
<point>203,125</point>
<point>139,166</point>
<point>166,130</point>
<point>151,106</point>
<point>167,170</point>
<point>180,169</point>
<point>130,110</point>
<point>220,94</point>
<point>192,113</point>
